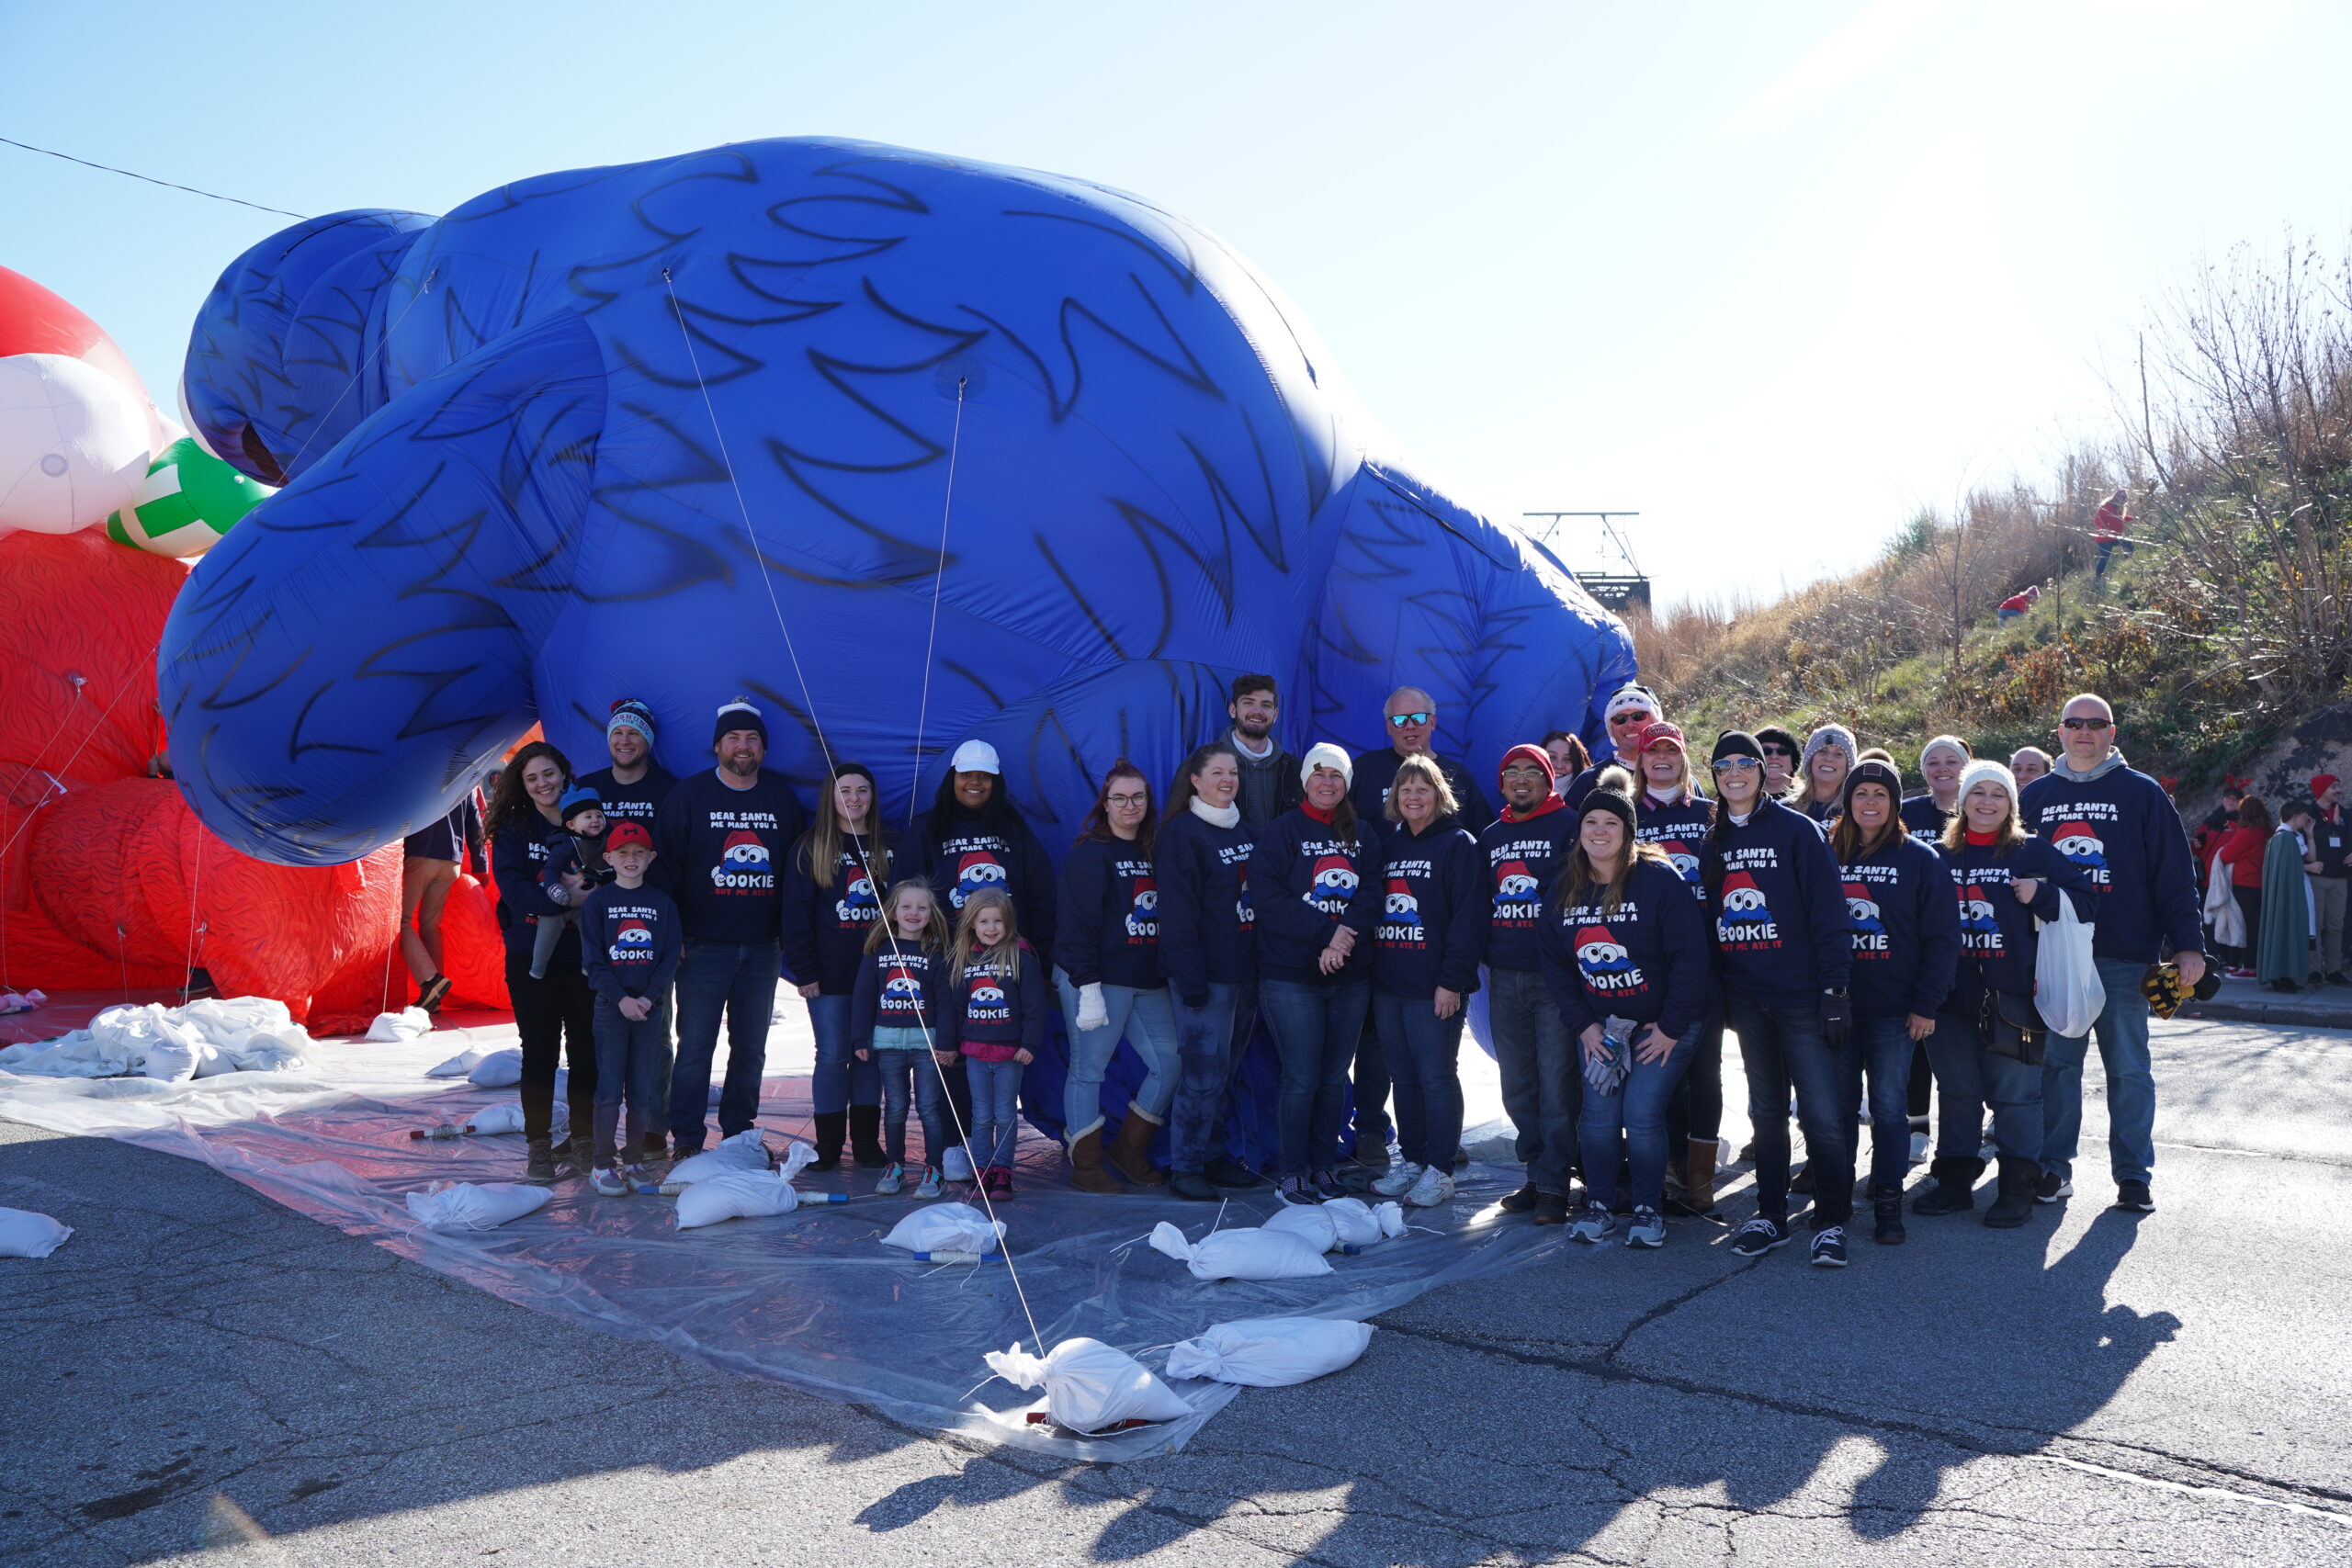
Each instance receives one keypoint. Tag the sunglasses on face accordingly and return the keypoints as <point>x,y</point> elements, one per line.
<point>2088,723</point>
<point>1736,764</point>
<point>1406,720</point>
<point>1777,752</point>
<point>1629,716</point>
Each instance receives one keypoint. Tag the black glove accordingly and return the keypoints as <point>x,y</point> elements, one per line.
<point>1837,1019</point>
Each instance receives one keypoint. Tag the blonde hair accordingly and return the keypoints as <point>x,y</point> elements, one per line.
<point>886,929</point>
<point>1005,953</point>
<point>1429,772</point>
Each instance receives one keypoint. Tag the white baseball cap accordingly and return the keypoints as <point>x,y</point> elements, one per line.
<point>974,756</point>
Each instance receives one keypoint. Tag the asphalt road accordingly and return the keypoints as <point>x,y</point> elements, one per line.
<point>200,1376</point>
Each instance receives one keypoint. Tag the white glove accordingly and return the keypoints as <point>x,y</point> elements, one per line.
<point>1093,1012</point>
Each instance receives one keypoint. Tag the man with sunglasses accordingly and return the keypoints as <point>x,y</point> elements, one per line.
<point>1410,720</point>
<point>1629,710</point>
<point>2117,822</point>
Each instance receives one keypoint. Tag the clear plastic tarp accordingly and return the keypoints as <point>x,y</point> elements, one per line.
<point>811,1299</point>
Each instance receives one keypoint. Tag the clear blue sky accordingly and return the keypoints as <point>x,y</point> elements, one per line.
<point>1774,275</point>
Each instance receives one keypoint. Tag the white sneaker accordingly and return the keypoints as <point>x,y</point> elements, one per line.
<point>1434,1188</point>
<point>1399,1181</point>
<point>1593,1226</point>
<point>957,1164</point>
<point>1648,1228</point>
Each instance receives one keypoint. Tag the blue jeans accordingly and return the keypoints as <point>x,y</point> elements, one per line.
<point>1885,1060</point>
<point>1629,1121</point>
<point>840,1079</point>
<point>996,1110</point>
<point>1970,1080</point>
<point>1783,1049</point>
<point>738,981</point>
<point>634,1057</point>
<point>1143,1017</point>
<point>1542,1074</point>
<point>1315,1028</point>
<point>2122,1030</point>
<point>1207,1055</point>
<point>1423,1051</point>
<point>911,1074</point>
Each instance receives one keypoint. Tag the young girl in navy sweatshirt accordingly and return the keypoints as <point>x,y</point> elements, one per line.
<point>897,1019</point>
<point>1315,884</point>
<point>1783,950</point>
<point>1988,1041</point>
<point>1431,935</point>
<point>1623,938</point>
<point>1906,939</point>
<point>997,1002</point>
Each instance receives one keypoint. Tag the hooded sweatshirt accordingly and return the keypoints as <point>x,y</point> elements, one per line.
<point>519,852</point>
<point>1907,928</point>
<point>1108,905</point>
<point>1207,927</point>
<point>1522,856</point>
<point>1679,827</point>
<point>991,1013</point>
<point>1781,928</point>
<point>961,851</point>
<point>1647,960</point>
<point>1997,938</point>
<point>901,988</point>
<point>1434,912</point>
<point>1304,882</point>
<point>824,928</point>
<point>2119,825</point>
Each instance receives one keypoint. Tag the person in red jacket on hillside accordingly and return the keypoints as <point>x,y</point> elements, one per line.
<point>2241,850</point>
<point>2112,527</point>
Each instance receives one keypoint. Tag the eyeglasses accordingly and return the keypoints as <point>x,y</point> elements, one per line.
<point>1736,764</point>
<point>1629,716</point>
<point>1126,799</point>
<point>2088,723</point>
<point>1527,769</point>
<point>1406,720</point>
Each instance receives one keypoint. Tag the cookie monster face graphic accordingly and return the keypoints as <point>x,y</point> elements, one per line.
<point>1686,864</point>
<point>856,905</point>
<point>1605,964</point>
<point>2078,843</point>
<point>1514,891</point>
<point>975,871</point>
<point>903,988</point>
<point>1744,920</point>
<point>1333,884</point>
<point>603,429</point>
<point>1863,908</point>
<point>1242,912</point>
<point>1980,929</point>
<point>742,864</point>
<point>1143,915</point>
<point>987,997</point>
<point>1400,918</point>
<point>632,943</point>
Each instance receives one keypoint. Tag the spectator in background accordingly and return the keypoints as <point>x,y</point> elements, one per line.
<point>1410,719</point>
<point>2017,604</point>
<point>1269,775</point>
<point>2241,853</point>
<point>2220,822</point>
<point>430,861</point>
<point>1779,749</point>
<point>2282,947</point>
<point>2028,764</point>
<point>2330,840</point>
<point>1570,759</point>
<point>1829,755</point>
<point>2112,527</point>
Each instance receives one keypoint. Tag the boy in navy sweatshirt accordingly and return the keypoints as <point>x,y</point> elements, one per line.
<point>629,942</point>
<point>1536,1052</point>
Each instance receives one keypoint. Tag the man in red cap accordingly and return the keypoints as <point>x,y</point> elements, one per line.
<point>2330,842</point>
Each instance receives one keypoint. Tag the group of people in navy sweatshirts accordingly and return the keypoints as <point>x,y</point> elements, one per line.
<point>1619,917</point>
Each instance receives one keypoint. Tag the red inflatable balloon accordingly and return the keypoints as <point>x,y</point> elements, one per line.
<point>34,320</point>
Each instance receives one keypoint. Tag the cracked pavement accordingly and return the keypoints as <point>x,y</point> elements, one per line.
<point>200,1376</point>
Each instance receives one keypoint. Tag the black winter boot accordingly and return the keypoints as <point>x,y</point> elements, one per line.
<point>866,1138</point>
<point>832,1129</point>
<point>2015,1204</point>
<point>1954,1192</point>
<point>1886,1218</point>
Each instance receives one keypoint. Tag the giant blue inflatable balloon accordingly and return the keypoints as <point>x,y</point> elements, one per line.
<point>891,441</point>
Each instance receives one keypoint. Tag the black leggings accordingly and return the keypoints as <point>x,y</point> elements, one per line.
<point>557,1019</point>
<point>2250,906</point>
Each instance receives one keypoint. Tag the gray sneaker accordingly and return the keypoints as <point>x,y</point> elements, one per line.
<point>1595,1225</point>
<point>1648,1228</point>
<point>892,1180</point>
<point>608,1184</point>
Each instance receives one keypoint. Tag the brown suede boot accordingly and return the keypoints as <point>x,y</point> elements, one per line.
<point>1130,1153</point>
<point>1086,1172</point>
<point>1699,1178</point>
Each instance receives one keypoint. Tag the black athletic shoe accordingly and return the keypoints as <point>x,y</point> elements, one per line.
<point>1191,1185</point>
<point>1226,1171</point>
<point>1887,1221</point>
<point>1759,1236</point>
<point>2335,977</point>
<point>2135,1198</point>
<point>2049,1186</point>
<point>1551,1209</point>
<point>1520,1202</point>
<point>1829,1249</point>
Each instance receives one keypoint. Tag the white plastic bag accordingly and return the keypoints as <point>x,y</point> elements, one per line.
<point>24,1233</point>
<point>1270,1352</point>
<point>1320,1231</point>
<point>409,1023</point>
<point>500,1069</point>
<point>469,1206</point>
<point>747,1150</point>
<point>2222,909</point>
<point>949,1227</point>
<point>1242,1253</point>
<point>1090,1387</point>
<point>506,1118</point>
<point>2066,987</point>
<point>1361,1225</point>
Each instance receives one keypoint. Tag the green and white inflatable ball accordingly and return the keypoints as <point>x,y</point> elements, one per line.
<point>188,501</point>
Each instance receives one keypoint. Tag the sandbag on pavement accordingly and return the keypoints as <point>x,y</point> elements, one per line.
<point>468,1206</point>
<point>500,1069</point>
<point>1242,1253</point>
<point>747,1150</point>
<point>743,1194</point>
<point>947,1227</point>
<point>1270,1352</point>
<point>1089,1385</point>
<point>1361,1225</point>
<point>24,1233</point>
<point>1308,1221</point>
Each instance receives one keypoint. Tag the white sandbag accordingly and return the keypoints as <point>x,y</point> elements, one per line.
<point>1361,1225</point>
<point>24,1233</point>
<point>505,1117</point>
<point>947,1227</point>
<point>747,1150</point>
<point>470,1206</point>
<point>409,1023</point>
<point>1242,1253</point>
<point>458,1066</point>
<point>1090,1387</point>
<point>744,1194</point>
<point>500,1069</point>
<point>1308,1220</point>
<point>1270,1352</point>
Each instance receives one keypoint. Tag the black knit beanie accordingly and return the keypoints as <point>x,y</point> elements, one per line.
<point>739,715</point>
<point>1614,804</point>
<point>1736,743</point>
<point>1870,772</point>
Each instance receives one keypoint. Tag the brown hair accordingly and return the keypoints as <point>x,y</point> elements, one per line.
<point>1421,768</point>
<point>1179,793</point>
<point>2254,814</point>
<point>1579,757</point>
<point>1846,840</point>
<point>820,851</point>
<point>508,802</point>
<point>1097,825</point>
<point>1955,835</point>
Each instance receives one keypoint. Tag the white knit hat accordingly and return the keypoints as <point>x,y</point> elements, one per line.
<point>1944,742</point>
<point>1985,769</point>
<point>1323,754</point>
<point>1631,697</point>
